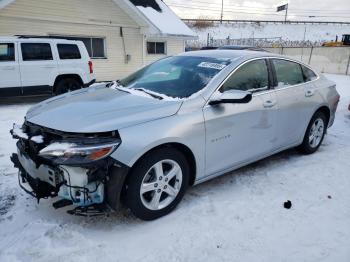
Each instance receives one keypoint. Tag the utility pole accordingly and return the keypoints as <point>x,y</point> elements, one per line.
<point>222,10</point>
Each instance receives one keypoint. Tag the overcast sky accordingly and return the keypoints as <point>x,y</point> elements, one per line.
<point>330,10</point>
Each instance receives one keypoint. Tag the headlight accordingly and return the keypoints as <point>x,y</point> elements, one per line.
<point>75,153</point>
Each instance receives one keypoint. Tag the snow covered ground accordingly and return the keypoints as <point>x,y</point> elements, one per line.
<point>237,217</point>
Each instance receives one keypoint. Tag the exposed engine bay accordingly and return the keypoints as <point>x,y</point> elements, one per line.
<point>74,167</point>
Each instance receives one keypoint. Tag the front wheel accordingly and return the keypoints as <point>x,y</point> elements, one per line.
<point>314,133</point>
<point>157,183</point>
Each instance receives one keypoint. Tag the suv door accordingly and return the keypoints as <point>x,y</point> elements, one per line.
<point>10,80</point>
<point>291,96</point>
<point>38,67</point>
<point>240,133</point>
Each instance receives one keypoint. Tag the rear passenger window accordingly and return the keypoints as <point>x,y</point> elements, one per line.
<point>7,52</point>
<point>252,76</point>
<point>68,51</point>
<point>288,73</point>
<point>309,75</point>
<point>36,51</point>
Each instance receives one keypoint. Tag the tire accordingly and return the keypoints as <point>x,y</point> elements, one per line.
<point>67,85</point>
<point>150,194</point>
<point>320,122</point>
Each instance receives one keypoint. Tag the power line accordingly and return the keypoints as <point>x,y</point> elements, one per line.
<point>295,10</point>
<point>253,13</point>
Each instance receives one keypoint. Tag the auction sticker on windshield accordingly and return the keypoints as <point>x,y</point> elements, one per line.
<point>212,65</point>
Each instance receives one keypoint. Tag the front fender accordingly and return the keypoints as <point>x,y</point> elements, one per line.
<point>186,129</point>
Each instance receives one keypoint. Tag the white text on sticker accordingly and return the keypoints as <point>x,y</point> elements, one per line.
<point>211,65</point>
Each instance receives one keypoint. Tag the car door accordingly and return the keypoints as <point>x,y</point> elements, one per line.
<point>10,80</point>
<point>38,67</point>
<point>240,133</point>
<point>291,94</point>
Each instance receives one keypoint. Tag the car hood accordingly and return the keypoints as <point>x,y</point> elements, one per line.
<point>99,109</point>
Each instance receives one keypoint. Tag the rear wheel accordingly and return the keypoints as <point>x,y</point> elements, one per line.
<point>67,85</point>
<point>314,133</point>
<point>157,183</point>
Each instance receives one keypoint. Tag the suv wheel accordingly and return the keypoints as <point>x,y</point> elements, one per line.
<point>314,133</point>
<point>67,85</point>
<point>157,183</point>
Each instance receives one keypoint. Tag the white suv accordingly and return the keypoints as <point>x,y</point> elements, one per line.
<point>38,66</point>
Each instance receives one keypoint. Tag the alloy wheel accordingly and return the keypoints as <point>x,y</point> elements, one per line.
<point>316,132</point>
<point>161,184</point>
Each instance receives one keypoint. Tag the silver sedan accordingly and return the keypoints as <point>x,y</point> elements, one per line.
<point>182,120</point>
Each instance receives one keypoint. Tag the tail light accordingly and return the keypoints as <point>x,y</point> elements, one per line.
<point>91,67</point>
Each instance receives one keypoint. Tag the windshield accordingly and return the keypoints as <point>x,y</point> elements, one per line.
<point>178,76</point>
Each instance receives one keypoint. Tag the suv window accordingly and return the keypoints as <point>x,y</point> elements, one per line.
<point>309,75</point>
<point>288,73</point>
<point>7,52</point>
<point>68,51</point>
<point>36,51</point>
<point>252,76</point>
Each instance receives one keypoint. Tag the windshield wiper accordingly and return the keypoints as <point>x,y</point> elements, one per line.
<point>113,82</point>
<point>149,93</point>
<point>118,86</point>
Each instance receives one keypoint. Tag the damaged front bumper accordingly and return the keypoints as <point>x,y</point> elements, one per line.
<point>89,185</point>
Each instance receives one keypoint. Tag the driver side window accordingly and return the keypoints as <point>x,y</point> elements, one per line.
<point>252,76</point>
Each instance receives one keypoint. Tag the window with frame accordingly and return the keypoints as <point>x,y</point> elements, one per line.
<point>94,45</point>
<point>36,51</point>
<point>288,73</point>
<point>7,52</point>
<point>154,48</point>
<point>309,75</point>
<point>68,51</point>
<point>252,76</point>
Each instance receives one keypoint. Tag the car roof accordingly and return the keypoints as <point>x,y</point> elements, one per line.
<point>230,54</point>
<point>36,39</point>
<point>237,46</point>
<point>242,47</point>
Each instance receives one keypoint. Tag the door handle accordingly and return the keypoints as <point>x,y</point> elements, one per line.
<point>8,68</point>
<point>269,103</point>
<point>309,93</point>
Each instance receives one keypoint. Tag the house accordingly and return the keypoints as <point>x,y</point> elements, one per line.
<point>120,35</point>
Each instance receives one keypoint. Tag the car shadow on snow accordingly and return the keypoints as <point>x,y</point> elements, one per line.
<point>22,100</point>
<point>124,216</point>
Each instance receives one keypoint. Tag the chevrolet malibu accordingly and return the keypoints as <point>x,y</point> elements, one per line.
<point>143,140</point>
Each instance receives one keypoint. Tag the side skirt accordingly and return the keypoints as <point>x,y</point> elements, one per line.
<point>227,170</point>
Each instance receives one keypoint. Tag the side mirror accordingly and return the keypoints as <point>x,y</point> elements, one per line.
<point>232,96</point>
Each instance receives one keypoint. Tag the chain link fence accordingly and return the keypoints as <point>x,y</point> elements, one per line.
<point>265,42</point>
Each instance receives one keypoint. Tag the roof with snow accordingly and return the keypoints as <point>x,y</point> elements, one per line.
<point>153,13</point>
<point>163,18</point>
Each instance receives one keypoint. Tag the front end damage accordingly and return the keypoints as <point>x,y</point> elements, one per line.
<point>76,168</point>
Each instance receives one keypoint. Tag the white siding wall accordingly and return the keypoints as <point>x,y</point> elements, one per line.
<point>83,11</point>
<point>73,18</point>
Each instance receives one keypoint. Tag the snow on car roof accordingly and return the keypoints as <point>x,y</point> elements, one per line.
<point>163,18</point>
<point>229,54</point>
